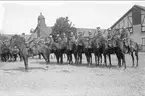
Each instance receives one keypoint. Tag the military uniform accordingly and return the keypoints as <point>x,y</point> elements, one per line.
<point>72,37</point>
<point>125,36</point>
<point>59,39</point>
<point>80,39</point>
<point>110,34</point>
<point>51,39</point>
<point>35,41</point>
<point>64,38</point>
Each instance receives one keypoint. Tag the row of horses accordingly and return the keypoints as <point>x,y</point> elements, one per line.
<point>98,46</point>
<point>8,53</point>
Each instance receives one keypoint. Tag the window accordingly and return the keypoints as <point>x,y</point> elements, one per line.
<point>143,28</point>
<point>143,23</point>
<point>143,41</point>
<point>129,21</point>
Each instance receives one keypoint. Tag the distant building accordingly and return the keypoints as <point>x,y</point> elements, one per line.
<point>92,31</point>
<point>41,30</point>
<point>134,20</point>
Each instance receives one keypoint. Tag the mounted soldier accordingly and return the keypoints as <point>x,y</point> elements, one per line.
<point>80,38</point>
<point>64,38</point>
<point>125,36</point>
<point>99,33</point>
<point>51,39</point>
<point>58,38</point>
<point>110,34</point>
<point>72,37</point>
<point>90,33</point>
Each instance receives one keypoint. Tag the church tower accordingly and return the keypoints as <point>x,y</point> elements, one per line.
<point>41,24</point>
<point>41,21</point>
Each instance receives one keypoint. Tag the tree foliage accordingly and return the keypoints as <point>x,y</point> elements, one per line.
<point>63,25</point>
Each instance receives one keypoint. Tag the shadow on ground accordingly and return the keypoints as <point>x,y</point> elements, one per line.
<point>23,69</point>
<point>78,65</point>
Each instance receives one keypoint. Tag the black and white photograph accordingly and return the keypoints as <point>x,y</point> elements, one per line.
<point>72,48</point>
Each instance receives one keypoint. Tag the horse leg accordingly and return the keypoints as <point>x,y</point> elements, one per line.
<point>136,54</point>
<point>105,61</point>
<point>86,55</point>
<point>39,56</point>
<point>48,58</point>
<point>123,61</point>
<point>68,57</point>
<point>101,59</point>
<point>61,58</point>
<point>80,58</point>
<point>96,59</point>
<point>132,59</point>
<point>25,58</point>
<point>21,58</point>
<point>57,58</point>
<point>110,60</point>
<point>76,59</point>
<point>90,59</point>
<point>119,60</point>
<point>45,57</point>
<point>71,58</point>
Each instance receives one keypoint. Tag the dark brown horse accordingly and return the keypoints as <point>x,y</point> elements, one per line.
<point>18,41</point>
<point>59,48</point>
<point>132,48</point>
<point>88,50</point>
<point>119,50</point>
<point>72,50</point>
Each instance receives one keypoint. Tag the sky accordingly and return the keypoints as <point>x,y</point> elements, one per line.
<point>18,17</point>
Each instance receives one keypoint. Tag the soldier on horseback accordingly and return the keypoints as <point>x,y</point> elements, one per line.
<point>72,37</point>
<point>110,34</point>
<point>90,33</point>
<point>64,38</point>
<point>51,39</point>
<point>80,39</point>
<point>99,33</point>
<point>125,36</point>
<point>58,38</point>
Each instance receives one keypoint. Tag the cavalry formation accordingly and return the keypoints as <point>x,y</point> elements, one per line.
<point>116,42</point>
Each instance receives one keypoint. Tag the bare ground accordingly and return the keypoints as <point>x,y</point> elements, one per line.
<point>72,80</point>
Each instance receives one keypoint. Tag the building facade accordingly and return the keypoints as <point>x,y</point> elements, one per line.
<point>134,21</point>
<point>41,30</point>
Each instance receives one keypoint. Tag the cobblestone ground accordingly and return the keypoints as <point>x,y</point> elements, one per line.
<point>72,80</point>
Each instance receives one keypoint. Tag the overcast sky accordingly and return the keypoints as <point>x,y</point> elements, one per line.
<point>18,17</point>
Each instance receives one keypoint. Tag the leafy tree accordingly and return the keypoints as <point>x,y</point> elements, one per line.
<point>63,25</point>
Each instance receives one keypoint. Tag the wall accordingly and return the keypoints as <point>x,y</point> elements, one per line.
<point>137,34</point>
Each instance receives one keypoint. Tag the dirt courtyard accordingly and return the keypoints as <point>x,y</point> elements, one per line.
<point>72,80</point>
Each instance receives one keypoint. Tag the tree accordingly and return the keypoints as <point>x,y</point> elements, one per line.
<point>63,25</point>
